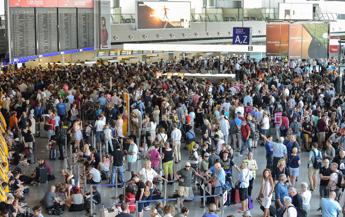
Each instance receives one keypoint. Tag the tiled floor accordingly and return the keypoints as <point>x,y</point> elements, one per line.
<point>108,194</point>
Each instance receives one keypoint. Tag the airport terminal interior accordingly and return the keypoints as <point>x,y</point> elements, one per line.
<point>172,108</point>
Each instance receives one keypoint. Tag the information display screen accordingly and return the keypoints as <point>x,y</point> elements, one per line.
<point>85,28</point>
<point>163,15</point>
<point>46,30</point>
<point>51,3</point>
<point>67,29</point>
<point>22,23</point>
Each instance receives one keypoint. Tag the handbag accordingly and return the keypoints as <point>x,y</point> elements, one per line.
<point>237,195</point>
<point>250,202</point>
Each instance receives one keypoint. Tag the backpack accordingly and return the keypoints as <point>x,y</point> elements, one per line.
<point>317,162</point>
<point>340,180</point>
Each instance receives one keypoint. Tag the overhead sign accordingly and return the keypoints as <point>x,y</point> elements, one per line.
<point>242,36</point>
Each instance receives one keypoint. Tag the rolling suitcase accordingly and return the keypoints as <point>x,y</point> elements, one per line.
<point>42,174</point>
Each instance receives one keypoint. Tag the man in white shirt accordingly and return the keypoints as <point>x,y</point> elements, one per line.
<point>176,143</point>
<point>225,127</point>
<point>290,210</point>
<point>265,123</point>
<point>99,126</point>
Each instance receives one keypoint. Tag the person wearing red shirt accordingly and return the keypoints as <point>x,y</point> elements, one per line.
<point>245,132</point>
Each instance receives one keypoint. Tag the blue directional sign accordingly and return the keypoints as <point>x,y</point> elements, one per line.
<point>242,35</point>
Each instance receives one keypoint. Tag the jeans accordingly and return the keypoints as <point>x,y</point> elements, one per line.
<point>269,162</point>
<point>120,174</point>
<point>245,145</point>
<point>109,143</point>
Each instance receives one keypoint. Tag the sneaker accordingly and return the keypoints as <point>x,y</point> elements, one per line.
<point>146,208</point>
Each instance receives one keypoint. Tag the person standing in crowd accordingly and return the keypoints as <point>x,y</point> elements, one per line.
<point>325,173</point>
<point>176,136</point>
<point>279,152</point>
<point>118,173</point>
<point>306,197</point>
<point>253,167</point>
<point>290,210</point>
<point>294,164</point>
<point>266,190</point>
<point>329,206</point>
<point>269,153</point>
<point>245,132</point>
<point>168,162</point>
<point>125,211</point>
<point>132,154</point>
<point>244,177</point>
<point>185,179</point>
<point>333,179</point>
<point>297,201</point>
<point>281,191</point>
<point>212,208</point>
<point>314,165</point>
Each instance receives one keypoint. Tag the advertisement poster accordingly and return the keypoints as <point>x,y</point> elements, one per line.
<point>277,39</point>
<point>298,40</point>
<point>105,25</point>
<point>163,15</point>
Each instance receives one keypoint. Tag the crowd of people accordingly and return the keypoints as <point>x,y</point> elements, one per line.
<point>288,107</point>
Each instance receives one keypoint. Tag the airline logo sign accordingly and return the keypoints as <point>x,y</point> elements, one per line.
<point>242,36</point>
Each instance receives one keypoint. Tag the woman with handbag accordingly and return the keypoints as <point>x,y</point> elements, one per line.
<point>243,183</point>
<point>266,190</point>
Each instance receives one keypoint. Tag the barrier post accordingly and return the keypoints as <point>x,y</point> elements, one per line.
<point>136,210</point>
<point>165,191</point>
<point>91,201</point>
<point>204,197</point>
<point>221,206</point>
<point>115,176</point>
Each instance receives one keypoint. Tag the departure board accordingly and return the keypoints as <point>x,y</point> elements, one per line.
<point>23,41</point>
<point>46,30</point>
<point>85,28</point>
<point>67,29</point>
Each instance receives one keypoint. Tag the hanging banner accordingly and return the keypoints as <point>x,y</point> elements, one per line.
<point>126,115</point>
<point>105,25</point>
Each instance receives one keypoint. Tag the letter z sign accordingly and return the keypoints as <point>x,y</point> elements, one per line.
<point>242,35</point>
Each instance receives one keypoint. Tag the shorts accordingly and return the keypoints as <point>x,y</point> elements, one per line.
<point>183,191</point>
<point>218,190</point>
<point>294,171</point>
<point>312,171</point>
<point>266,202</point>
<point>243,194</point>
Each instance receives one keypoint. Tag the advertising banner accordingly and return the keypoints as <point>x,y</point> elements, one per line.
<point>297,40</point>
<point>105,25</point>
<point>277,39</point>
<point>51,3</point>
<point>163,15</point>
<point>242,35</point>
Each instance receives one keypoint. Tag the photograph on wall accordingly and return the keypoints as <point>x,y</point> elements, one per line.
<point>163,15</point>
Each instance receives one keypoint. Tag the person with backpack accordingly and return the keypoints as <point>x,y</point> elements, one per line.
<point>335,179</point>
<point>314,165</point>
<point>290,209</point>
<point>297,201</point>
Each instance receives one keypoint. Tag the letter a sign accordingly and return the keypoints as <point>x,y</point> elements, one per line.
<point>242,36</point>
